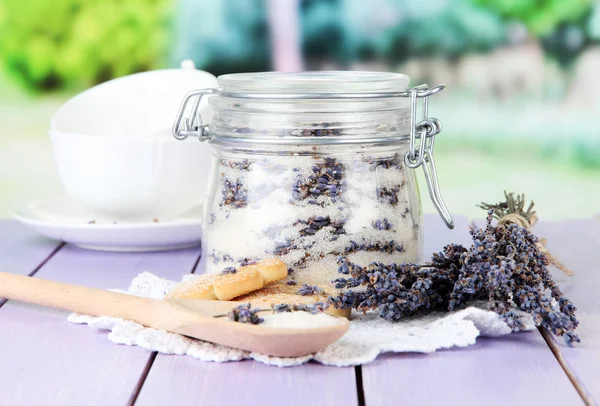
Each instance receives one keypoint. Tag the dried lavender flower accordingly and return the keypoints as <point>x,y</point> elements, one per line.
<point>327,179</point>
<point>386,163</point>
<point>388,195</point>
<point>512,210</point>
<point>308,290</point>
<point>314,308</point>
<point>389,247</point>
<point>245,314</point>
<point>243,165</point>
<point>382,224</point>
<point>228,270</point>
<point>316,223</point>
<point>281,308</point>
<point>234,194</point>
<point>248,261</point>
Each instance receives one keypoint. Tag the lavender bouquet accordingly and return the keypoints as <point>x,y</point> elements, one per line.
<point>506,267</point>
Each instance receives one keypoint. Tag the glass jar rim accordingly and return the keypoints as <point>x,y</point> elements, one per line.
<point>313,82</point>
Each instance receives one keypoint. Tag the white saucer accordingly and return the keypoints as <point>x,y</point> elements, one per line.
<point>64,220</point>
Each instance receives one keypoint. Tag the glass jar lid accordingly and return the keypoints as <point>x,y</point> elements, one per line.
<point>312,83</point>
<point>308,108</point>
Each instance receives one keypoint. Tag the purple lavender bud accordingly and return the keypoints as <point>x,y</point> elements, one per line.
<point>308,290</point>
<point>244,314</point>
<point>228,270</point>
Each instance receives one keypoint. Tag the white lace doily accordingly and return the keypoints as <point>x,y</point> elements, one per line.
<point>368,336</point>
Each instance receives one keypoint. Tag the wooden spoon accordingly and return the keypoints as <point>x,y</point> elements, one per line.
<point>193,318</point>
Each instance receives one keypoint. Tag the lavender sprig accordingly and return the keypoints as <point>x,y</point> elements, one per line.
<point>245,314</point>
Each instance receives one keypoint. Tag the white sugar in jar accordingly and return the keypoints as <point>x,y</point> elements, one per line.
<point>312,167</point>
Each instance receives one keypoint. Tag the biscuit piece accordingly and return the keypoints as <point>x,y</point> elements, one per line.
<point>271,270</point>
<point>236,284</point>
<point>281,293</point>
<point>227,286</point>
<point>200,288</point>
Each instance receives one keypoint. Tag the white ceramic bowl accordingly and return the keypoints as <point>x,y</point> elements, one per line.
<point>115,153</point>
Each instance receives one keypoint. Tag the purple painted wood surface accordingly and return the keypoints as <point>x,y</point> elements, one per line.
<point>518,369</point>
<point>577,244</point>
<point>21,249</point>
<point>46,360</point>
<point>185,381</point>
<point>513,370</point>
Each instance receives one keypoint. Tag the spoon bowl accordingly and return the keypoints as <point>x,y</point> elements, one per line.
<point>281,342</point>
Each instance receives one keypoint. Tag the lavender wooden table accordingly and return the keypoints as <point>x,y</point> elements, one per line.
<point>46,360</point>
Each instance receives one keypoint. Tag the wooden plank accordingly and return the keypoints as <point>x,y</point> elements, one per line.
<point>45,358</point>
<point>577,244</point>
<point>185,381</point>
<point>499,371</point>
<point>21,249</point>
<point>516,369</point>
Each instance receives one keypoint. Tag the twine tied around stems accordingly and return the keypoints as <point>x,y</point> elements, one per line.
<point>512,210</point>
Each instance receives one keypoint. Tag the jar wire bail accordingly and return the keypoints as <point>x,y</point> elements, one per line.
<point>183,128</point>
<point>423,131</point>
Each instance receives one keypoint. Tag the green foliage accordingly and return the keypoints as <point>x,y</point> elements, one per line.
<point>52,44</point>
<point>565,43</point>
<point>587,154</point>
<point>223,37</point>
<point>593,28</point>
<point>541,17</point>
<point>399,29</point>
<point>322,29</point>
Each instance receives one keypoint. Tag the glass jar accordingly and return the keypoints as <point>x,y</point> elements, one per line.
<point>313,167</point>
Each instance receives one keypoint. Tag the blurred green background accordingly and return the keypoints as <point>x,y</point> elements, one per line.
<point>520,112</point>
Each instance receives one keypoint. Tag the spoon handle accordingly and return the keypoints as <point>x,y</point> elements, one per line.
<point>80,299</point>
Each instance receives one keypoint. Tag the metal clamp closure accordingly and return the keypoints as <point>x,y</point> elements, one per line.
<point>183,128</point>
